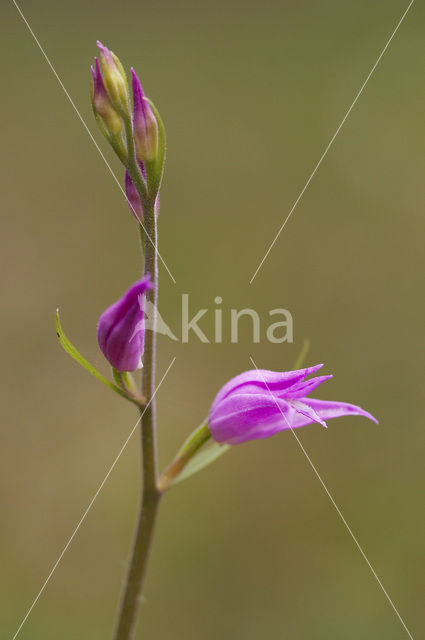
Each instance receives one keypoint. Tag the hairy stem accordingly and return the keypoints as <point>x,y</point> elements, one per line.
<point>150,495</point>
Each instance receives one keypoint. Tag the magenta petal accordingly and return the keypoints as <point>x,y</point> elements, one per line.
<point>133,198</point>
<point>120,330</point>
<point>142,111</point>
<point>140,104</point>
<point>97,77</point>
<point>303,388</point>
<point>260,403</point>
<point>327,409</point>
<point>101,100</point>
<point>145,126</point>
<point>105,53</point>
<point>243,417</point>
<point>260,380</point>
<point>307,411</point>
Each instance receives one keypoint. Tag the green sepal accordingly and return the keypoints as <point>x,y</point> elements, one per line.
<point>76,355</point>
<point>123,74</point>
<point>155,168</point>
<point>125,382</point>
<point>118,146</point>
<point>115,141</point>
<point>196,440</point>
<point>202,459</point>
<point>197,452</point>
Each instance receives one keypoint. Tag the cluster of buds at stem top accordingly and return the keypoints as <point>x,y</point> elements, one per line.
<point>135,131</point>
<point>111,101</point>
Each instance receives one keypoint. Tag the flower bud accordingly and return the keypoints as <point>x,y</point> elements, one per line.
<point>133,197</point>
<point>121,328</point>
<point>259,403</point>
<point>101,103</point>
<point>145,126</point>
<point>115,79</point>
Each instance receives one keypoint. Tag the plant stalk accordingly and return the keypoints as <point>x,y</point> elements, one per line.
<point>150,495</point>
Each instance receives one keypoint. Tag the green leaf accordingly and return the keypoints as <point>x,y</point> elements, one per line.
<point>202,459</point>
<point>76,355</point>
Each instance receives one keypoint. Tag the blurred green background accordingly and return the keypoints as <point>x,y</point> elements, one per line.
<point>251,93</point>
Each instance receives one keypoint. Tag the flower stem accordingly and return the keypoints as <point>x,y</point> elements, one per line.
<point>150,495</point>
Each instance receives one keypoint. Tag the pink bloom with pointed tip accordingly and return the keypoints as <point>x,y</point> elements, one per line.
<point>121,330</point>
<point>259,403</point>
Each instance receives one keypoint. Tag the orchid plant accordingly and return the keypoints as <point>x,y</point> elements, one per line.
<point>255,404</point>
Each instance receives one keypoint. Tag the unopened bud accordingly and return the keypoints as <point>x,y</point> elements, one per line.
<point>133,197</point>
<point>101,103</point>
<point>145,126</point>
<point>115,79</point>
<point>121,328</point>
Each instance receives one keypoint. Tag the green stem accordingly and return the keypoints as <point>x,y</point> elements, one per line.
<point>150,496</point>
<point>124,382</point>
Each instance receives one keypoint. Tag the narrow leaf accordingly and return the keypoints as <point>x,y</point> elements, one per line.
<point>76,355</point>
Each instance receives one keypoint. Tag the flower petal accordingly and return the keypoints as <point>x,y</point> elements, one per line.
<point>327,409</point>
<point>145,125</point>
<point>260,380</point>
<point>247,416</point>
<point>120,330</point>
<point>303,388</point>
<point>306,411</point>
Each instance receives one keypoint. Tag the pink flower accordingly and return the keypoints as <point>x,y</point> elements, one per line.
<point>259,403</point>
<point>121,330</point>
